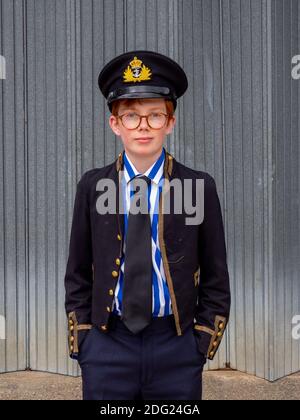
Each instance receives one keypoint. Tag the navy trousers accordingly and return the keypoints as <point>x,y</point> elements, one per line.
<point>155,364</point>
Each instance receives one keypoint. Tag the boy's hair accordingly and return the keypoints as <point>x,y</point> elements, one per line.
<point>127,102</point>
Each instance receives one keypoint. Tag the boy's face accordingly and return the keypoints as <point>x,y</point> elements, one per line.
<point>142,141</point>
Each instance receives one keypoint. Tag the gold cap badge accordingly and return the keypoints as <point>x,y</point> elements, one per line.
<point>136,72</point>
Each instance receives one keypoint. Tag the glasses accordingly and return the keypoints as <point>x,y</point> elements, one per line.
<point>155,120</point>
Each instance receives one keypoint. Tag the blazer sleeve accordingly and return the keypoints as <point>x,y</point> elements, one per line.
<point>214,289</point>
<point>79,271</point>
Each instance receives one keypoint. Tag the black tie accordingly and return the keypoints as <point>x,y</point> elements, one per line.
<point>137,287</point>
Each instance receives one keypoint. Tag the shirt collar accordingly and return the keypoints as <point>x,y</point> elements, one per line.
<point>155,172</point>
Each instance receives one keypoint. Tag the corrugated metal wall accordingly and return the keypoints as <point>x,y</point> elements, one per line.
<point>286,186</point>
<point>51,138</point>
<point>246,45</point>
<point>13,279</point>
<point>238,121</point>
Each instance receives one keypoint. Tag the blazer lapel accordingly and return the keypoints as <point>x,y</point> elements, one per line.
<point>169,167</point>
<point>117,176</point>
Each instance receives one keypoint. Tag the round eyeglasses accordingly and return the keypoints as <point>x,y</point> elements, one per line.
<point>155,120</point>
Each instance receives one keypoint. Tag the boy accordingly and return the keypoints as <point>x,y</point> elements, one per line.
<point>147,292</point>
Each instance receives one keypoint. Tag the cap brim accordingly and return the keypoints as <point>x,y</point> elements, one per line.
<point>142,95</point>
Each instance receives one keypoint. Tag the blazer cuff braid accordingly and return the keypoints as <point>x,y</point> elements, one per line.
<point>73,334</point>
<point>211,338</point>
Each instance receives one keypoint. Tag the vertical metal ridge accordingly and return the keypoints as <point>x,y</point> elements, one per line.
<point>55,239</point>
<point>269,342</point>
<point>26,180</point>
<point>297,363</point>
<point>2,224</point>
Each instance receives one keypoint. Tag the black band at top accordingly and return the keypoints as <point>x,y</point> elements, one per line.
<point>158,90</point>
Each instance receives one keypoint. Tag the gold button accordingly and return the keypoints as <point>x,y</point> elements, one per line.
<point>219,334</point>
<point>71,322</point>
<point>118,261</point>
<point>103,327</point>
<point>215,343</point>
<point>71,328</point>
<point>221,325</point>
<point>71,348</point>
<point>119,237</point>
<point>115,273</point>
<point>108,309</point>
<point>111,292</point>
<point>211,353</point>
<point>72,339</point>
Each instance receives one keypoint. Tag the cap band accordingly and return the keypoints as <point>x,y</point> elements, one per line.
<point>158,90</point>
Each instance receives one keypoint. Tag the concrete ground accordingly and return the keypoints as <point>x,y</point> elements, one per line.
<point>221,385</point>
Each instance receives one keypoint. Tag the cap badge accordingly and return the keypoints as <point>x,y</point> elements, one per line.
<point>136,72</point>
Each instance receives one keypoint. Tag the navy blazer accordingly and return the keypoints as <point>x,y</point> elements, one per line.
<point>194,259</point>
